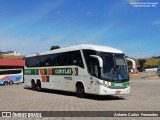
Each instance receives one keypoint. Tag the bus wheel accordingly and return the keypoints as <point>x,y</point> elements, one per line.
<point>5,83</point>
<point>38,87</point>
<point>80,90</point>
<point>10,82</point>
<point>33,85</point>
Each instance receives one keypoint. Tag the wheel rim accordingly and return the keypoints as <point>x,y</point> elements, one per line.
<point>5,83</point>
<point>38,87</point>
<point>80,91</point>
<point>11,82</point>
<point>33,86</point>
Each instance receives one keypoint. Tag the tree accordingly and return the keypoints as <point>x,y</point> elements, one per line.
<point>54,47</point>
<point>129,64</point>
<point>141,63</point>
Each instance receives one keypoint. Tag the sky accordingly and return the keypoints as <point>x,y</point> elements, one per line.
<point>33,26</point>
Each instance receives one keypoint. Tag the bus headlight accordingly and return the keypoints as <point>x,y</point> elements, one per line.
<point>99,83</point>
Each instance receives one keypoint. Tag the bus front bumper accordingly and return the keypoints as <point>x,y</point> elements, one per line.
<point>109,91</point>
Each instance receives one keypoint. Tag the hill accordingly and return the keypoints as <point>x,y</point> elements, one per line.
<point>12,57</point>
<point>152,62</point>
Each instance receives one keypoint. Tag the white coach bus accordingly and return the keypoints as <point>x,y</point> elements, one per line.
<point>92,69</point>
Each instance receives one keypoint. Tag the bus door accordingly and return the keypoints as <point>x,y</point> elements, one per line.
<point>68,83</point>
<point>67,79</point>
<point>94,71</point>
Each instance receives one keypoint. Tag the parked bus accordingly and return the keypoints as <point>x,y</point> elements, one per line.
<point>92,69</point>
<point>11,76</point>
<point>158,71</point>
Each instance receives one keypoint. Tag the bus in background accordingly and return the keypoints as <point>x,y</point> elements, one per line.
<point>92,69</point>
<point>158,71</point>
<point>11,76</point>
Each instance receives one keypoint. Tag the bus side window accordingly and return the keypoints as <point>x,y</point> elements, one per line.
<point>76,59</point>
<point>46,62</point>
<point>63,59</point>
<point>87,58</point>
<point>54,60</point>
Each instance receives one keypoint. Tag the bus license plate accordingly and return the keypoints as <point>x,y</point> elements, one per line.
<point>118,92</point>
<point>118,84</point>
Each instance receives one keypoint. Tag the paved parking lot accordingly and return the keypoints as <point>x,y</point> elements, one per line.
<point>144,96</point>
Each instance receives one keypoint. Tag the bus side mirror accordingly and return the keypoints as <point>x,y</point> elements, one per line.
<point>99,60</point>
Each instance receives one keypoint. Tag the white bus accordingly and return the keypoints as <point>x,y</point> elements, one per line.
<point>10,76</point>
<point>92,69</point>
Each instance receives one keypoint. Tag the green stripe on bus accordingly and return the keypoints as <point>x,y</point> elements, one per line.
<point>65,71</point>
<point>76,70</point>
<point>47,78</point>
<point>29,72</point>
<point>55,71</point>
<point>45,72</point>
<point>120,84</point>
<point>36,72</point>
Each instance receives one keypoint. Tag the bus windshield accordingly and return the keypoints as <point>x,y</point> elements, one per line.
<point>114,67</point>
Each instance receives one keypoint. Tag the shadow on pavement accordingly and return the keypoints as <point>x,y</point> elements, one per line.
<point>106,97</point>
<point>87,96</point>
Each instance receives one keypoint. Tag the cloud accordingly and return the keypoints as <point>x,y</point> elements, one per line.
<point>28,45</point>
<point>156,23</point>
<point>130,1</point>
<point>88,37</point>
<point>58,12</point>
<point>29,17</point>
<point>88,13</point>
<point>21,32</point>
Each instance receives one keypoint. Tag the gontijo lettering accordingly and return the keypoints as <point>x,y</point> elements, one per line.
<point>63,71</point>
<point>53,71</point>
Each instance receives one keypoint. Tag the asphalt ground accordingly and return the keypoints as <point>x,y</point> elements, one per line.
<point>144,96</point>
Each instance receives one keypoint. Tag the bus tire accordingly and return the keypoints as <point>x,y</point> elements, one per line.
<point>10,82</point>
<point>5,83</point>
<point>38,87</point>
<point>33,85</point>
<point>80,90</point>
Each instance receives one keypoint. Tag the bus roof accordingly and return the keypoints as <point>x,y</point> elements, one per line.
<point>83,47</point>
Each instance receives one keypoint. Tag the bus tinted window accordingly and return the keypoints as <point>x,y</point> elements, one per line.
<point>10,72</point>
<point>58,59</point>
<point>87,57</point>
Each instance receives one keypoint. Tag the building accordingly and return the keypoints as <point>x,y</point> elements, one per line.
<point>10,53</point>
<point>11,59</point>
<point>11,63</point>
